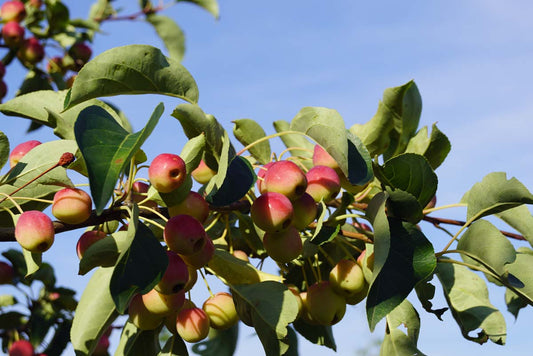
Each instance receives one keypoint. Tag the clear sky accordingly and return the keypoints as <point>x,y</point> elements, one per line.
<point>471,60</point>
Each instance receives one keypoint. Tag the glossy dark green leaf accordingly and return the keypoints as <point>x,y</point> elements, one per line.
<point>297,144</point>
<point>132,69</point>
<point>408,176</point>
<point>435,147</point>
<point>220,343</point>
<point>95,312</point>
<point>170,33</point>
<point>107,149</point>
<point>4,149</point>
<point>468,299</point>
<point>396,343</point>
<point>175,346</point>
<point>403,257</point>
<point>271,308</point>
<point>394,123</point>
<point>521,219</point>
<point>139,269</point>
<point>317,334</point>
<point>495,194</point>
<point>484,242</point>
<point>327,128</point>
<point>248,131</point>
<point>209,5</point>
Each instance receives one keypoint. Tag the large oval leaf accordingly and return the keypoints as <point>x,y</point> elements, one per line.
<point>170,33</point>
<point>133,69</point>
<point>248,131</point>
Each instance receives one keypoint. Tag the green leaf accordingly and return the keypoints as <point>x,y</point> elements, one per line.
<point>4,149</point>
<point>468,299</point>
<point>521,268</point>
<point>195,122</point>
<point>60,340</point>
<point>327,128</point>
<point>107,149</point>
<point>170,33</point>
<point>248,131</point>
<point>87,24</point>
<point>238,179</point>
<point>57,15</point>
<point>209,5</point>
<point>139,269</point>
<point>33,164</point>
<point>34,81</point>
<point>394,123</point>
<point>403,257</point>
<point>317,334</point>
<point>132,69</point>
<point>174,197</point>
<point>272,307</point>
<point>425,291</point>
<point>95,312</point>
<point>16,259</point>
<point>33,261</point>
<point>175,346</point>
<point>137,342</point>
<point>396,343</point>
<point>409,180</point>
<point>435,148</point>
<point>484,242</point>
<point>12,320</point>
<point>495,194</point>
<point>220,343</point>
<point>519,218</point>
<point>193,151</point>
<point>104,253</point>
<point>405,314</point>
<point>298,145</point>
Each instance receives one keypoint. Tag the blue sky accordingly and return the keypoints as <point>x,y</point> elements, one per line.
<point>470,59</point>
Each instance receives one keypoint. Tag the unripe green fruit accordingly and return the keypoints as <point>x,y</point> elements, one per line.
<point>31,51</point>
<point>194,205</point>
<point>72,205</point>
<point>203,174</point>
<point>167,172</point>
<point>324,305</point>
<point>305,211</point>
<point>359,296</point>
<point>175,277</point>
<point>192,324</point>
<point>34,231</point>
<point>20,151</point>
<point>6,273</point>
<point>87,239</point>
<point>323,183</point>
<point>163,304</point>
<point>221,311</point>
<point>286,178</point>
<point>272,212</point>
<point>184,234</point>
<point>13,11</point>
<point>347,278</point>
<point>283,246</point>
<point>202,257</point>
<point>13,34</point>
<point>21,348</point>
<point>140,316</point>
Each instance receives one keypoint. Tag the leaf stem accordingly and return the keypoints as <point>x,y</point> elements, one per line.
<point>266,138</point>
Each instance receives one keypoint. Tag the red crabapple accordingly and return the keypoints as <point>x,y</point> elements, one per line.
<point>21,348</point>
<point>272,212</point>
<point>20,151</point>
<point>346,278</point>
<point>221,311</point>
<point>324,305</point>
<point>175,277</point>
<point>72,205</point>
<point>305,210</point>
<point>34,231</point>
<point>283,246</point>
<point>284,177</point>
<point>31,51</point>
<point>201,258</point>
<point>167,172</point>
<point>323,183</point>
<point>203,173</point>
<point>184,234</point>
<point>6,273</point>
<point>163,304</point>
<point>192,324</point>
<point>87,239</point>
<point>140,316</point>
<point>13,11</point>
<point>194,205</point>
<point>13,34</point>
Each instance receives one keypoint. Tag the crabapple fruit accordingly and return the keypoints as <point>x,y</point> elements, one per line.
<point>80,52</point>
<point>139,190</point>
<point>346,278</point>
<point>140,316</point>
<point>31,51</point>
<point>175,277</point>
<point>13,11</point>
<point>184,234</point>
<point>6,273</point>
<point>20,151</point>
<point>34,231</point>
<point>284,177</point>
<point>163,304</point>
<point>323,183</point>
<point>167,172</point>
<point>192,324</point>
<point>221,311</point>
<point>21,348</point>
<point>324,305</point>
<point>272,212</point>
<point>72,205</point>
<point>194,205</point>
<point>261,175</point>
<point>201,258</point>
<point>87,239</point>
<point>321,157</point>
<point>283,246</point>
<point>13,34</point>
<point>305,211</point>
<point>203,173</point>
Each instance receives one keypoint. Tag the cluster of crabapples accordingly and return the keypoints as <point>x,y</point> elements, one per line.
<point>29,49</point>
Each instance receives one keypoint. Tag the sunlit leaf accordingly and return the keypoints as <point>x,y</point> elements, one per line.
<point>209,5</point>
<point>170,33</point>
<point>317,334</point>
<point>220,343</point>
<point>4,149</point>
<point>396,343</point>
<point>435,147</point>
<point>248,131</point>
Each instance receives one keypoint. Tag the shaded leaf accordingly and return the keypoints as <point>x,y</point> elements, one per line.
<point>137,342</point>
<point>192,152</point>
<point>468,299</point>
<point>317,334</point>
<point>519,218</point>
<point>170,33</point>
<point>220,343</point>
<point>396,343</point>
<point>425,291</point>
<point>521,268</point>
<point>405,314</point>
<point>238,179</point>
<point>104,253</point>
<point>248,131</point>
<point>95,312</point>
<point>435,147</point>
<point>107,149</point>
<point>175,346</point>
<point>495,194</point>
<point>132,69</point>
<point>4,149</point>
